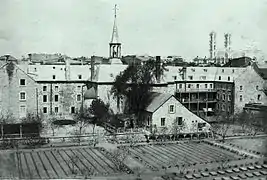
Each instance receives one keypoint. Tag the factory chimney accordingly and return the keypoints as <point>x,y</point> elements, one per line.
<point>212,45</point>
<point>227,46</point>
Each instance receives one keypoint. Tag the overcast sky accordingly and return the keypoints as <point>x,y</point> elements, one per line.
<point>155,27</point>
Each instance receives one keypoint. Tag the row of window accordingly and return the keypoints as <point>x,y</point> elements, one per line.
<point>197,86</point>
<point>241,88</point>
<point>206,70</point>
<point>241,97</point>
<point>56,88</point>
<point>56,110</point>
<point>79,76</point>
<point>222,107</point>
<point>224,97</point>
<point>56,97</point>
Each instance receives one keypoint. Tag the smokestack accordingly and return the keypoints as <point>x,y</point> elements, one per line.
<point>158,68</point>
<point>212,45</point>
<point>92,67</point>
<point>227,44</point>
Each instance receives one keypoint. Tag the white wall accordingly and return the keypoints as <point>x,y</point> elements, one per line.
<point>180,111</point>
<point>249,80</point>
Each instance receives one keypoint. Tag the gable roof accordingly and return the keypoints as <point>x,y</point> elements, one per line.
<point>156,100</point>
<point>261,70</point>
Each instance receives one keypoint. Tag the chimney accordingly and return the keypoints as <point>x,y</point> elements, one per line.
<point>92,67</point>
<point>158,69</point>
<point>67,68</point>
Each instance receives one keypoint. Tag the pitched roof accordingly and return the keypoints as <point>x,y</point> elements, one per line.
<point>156,100</point>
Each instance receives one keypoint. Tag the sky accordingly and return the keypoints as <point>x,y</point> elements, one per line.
<point>154,27</point>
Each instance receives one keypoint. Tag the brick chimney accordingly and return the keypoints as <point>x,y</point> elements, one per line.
<point>158,69</point>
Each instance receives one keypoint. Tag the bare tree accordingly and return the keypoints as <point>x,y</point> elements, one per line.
<point>223,125</point>
<point>178,127</point>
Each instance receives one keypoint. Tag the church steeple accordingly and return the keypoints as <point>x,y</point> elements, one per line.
<point>115,45</point>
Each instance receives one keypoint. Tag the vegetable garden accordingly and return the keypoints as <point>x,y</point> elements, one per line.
<point>63,163</point>
<point>157,157</point>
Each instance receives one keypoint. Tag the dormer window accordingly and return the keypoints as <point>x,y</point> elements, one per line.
<point>193,70</point>
<point>222,70</point>
<point>205,70</point>
<point>54,76</point>
<point>54,67</point>
<point>111,75</point>
<point>79,76</point>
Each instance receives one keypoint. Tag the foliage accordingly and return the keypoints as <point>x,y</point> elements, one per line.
<point>134,84</point>
<point>96,114</point>
<point>10,70</point>
<point>250,123</point>
<point>6,118</point>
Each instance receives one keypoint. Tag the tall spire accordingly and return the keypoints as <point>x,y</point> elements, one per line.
<point>115,45</point>
<point>115,35</point>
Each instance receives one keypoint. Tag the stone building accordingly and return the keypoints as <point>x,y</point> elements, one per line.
<point>17,91</point>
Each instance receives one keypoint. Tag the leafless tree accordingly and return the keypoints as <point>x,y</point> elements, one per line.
<point>178,128</point>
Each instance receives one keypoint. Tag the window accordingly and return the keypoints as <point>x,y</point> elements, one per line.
<point>193,70</point>
<point>189,85</point>
<point>56,98</point>
<point>203,77</point>
<point>223,107</point>
<point>22,111</point>
<point>79,88</point>
<point>241,88</point>
<point>257,87</point>
<point>259,97</point>
<point>44,110</point>
<point>205,70</point>
<point>229,78</point>
<point>222,70</point>
<point>22,82</point>
<point>72,110</point>
<point>210,86</point>
<point>206,85</point>
<point>218,96</point>
<point>180,86</point>
<point>56,88</point>
<point>54,76</point>
<point>79,76</point>
<point>54,67</point>
<point>197,85</point>
<point>171,109</point>
<point>240,98</point>
<point>162,121</point>
<point>220,77</point>
<point>148,121</point>
<point>190,77</point>
<point>44,98</point>
<point>175,77</point>
<point>79,97</point>
<point>233,71</point>
<point>22,96</point>
<point>44,88</point>
<point>56,109</point>
<point>229,97</point>
<point>179,120</point>
<point>229,109</point>
<point>35,69</point>
<point>223,96</point>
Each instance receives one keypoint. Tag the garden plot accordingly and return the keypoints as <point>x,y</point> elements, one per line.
<point>156,157</point>
<point>257,144</point>
<point>63,163</point>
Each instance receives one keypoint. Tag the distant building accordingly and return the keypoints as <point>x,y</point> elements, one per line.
<point>239,62</point>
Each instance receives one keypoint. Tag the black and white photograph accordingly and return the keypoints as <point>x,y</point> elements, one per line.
<point>133,89</point>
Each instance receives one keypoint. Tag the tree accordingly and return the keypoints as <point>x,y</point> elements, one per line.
<point>223,124</point>
<point>135,84</point>
<point>178,128</point>
<point>100,112</point>
<point>33,118</point>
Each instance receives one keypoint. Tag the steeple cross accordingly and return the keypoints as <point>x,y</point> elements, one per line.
<point>115,10</point>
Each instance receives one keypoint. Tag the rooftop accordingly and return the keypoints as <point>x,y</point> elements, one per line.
<point>157,100</point>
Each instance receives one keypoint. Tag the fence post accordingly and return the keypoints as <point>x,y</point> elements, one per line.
<point>20,130</point>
